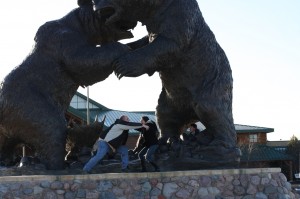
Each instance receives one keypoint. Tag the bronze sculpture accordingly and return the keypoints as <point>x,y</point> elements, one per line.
<point>195,73</point>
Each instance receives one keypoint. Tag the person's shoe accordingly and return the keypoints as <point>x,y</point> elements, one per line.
<point>85,172</point>
<point>143,165</point>
<point>126,170</point>
<point>156,168</point>
<point>144,170</point>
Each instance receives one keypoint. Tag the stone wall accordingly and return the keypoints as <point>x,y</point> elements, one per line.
<point>262,183</point>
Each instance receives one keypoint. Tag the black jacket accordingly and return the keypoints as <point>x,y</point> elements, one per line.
<point>150,135</point>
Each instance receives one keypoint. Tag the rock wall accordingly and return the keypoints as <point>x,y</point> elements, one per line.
<point>259,183</point>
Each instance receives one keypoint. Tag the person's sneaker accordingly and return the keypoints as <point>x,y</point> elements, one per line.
<point>86,172</point>
<point>157,170</point>
<point>126,170</point>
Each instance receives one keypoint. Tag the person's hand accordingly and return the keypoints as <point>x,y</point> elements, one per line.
<point>146,127</point>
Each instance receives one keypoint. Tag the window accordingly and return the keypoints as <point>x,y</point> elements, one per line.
<point>253,138</point>
<point>282,149</point>
<point>80,103</point>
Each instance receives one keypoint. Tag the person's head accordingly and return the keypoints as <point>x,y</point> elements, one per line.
<point>144,119</point>
<point>124,118</point>
<point>193,127</point>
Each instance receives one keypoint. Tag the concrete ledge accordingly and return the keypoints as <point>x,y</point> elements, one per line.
<point>108,176</point>
<point>226,184</point>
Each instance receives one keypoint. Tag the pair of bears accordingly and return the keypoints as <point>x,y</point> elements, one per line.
<point>194,70</point>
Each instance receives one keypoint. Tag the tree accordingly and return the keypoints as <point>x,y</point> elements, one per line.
<point>247,150</point>
<point>293,149</point>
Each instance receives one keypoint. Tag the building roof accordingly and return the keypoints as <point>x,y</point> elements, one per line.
<point>252,129</point>
<point>280,143</point>
<point>112,115</point>
<point>78,113</point>
<point>100,106</point>
<point>263,153</point>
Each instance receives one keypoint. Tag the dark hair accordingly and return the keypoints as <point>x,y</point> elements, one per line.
<point>145,118</point>
<point>194,125</point>
<point>123,117</point>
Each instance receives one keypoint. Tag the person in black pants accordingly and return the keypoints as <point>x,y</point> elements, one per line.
<point>148,133</point>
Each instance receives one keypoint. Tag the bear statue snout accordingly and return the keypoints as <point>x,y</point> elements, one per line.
<point>113,14</point>
<point>104,8</point>
<point>106,12</point>
<point>110,12</point>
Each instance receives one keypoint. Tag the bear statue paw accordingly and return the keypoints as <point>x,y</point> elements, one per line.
<point>202,157</point>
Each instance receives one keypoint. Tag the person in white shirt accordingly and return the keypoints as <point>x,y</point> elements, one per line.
<point>114,140</point>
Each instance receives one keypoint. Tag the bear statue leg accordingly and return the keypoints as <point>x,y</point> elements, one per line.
<point>171,122</point>
<point>46,131</point>
<point>221,152</point>
<point>51,143</point>
<point>3,140</point>
<point>171,125</point>
<point>170,119</point>
<point>216,116</point>
<point>48,140</point>
<point>7,146</point>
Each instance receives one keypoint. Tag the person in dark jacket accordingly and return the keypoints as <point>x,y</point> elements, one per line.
<point>114,140</point>
<point>148,132</point>
<point>194,132</point>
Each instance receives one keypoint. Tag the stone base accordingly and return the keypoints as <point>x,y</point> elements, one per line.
<point>261,183</point>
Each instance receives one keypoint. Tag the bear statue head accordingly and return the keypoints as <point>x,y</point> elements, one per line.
<point>100,32</point>
<point>127,10</point>
<point>115,10</point>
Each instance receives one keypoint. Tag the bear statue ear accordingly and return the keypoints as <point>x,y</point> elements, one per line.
<point>85,2</point>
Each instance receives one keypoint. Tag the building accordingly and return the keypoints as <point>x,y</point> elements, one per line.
<point>252,140</point>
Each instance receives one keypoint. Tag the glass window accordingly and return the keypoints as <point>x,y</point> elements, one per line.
<point>253,138</point>
<point>80,103</point>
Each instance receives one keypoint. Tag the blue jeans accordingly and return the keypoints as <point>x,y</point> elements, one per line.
<point>103,148</point>
<point>148,151</point>
<point>123,150</point>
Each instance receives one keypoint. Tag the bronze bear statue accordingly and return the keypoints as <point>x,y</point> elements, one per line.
<point>36,94</point>
<point>195,72</point>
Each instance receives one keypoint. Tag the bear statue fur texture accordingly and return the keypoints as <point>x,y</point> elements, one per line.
<point>37,93</point>
<point>80,136</point>
<point>194,70</point>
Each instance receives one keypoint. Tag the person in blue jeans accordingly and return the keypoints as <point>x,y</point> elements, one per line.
<point>149,133</point>
<point>114,140</point>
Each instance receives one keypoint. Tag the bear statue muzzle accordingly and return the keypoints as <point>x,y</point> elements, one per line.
<point>107,10</point>
<point>111,14</point>
<point>104,8</point>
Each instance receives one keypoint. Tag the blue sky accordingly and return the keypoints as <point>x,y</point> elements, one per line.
<point>260,38</point>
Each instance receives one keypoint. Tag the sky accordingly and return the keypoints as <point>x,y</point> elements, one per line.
<point>260,38</point>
